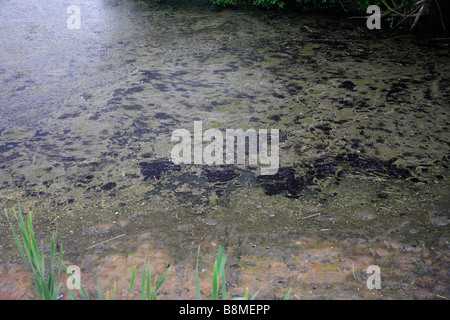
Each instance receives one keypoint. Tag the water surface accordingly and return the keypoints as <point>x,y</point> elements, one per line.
<point>86,118</point>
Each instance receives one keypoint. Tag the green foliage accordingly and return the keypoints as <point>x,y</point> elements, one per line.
<point>218,276</point>
<point>99,292</point>
<point>269,3</point>
<point>219,273</point>
<point>45,279</point>
<point>286,297</point>
<point>146,290</point>
<point>225,3</point>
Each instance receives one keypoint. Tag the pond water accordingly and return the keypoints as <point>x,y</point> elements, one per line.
<point>87,115</point>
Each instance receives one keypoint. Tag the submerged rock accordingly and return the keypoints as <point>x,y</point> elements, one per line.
<point>312,209</point>
<point>440,221</point>
<point>210,221</point>
<point>365,215</point>
<point>185,228</point>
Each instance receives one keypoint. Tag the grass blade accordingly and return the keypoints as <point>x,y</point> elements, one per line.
<point>161,281</point>
<point>52,258</point>
<point>287,294</point>
<point>149,278</point>
<point>26,241</point>
<point>133,275</point>
<point>217,273</point>
<point>71,295</point>
<point>19,245</point>
<point>219,261</point>
<point>214,282</point>
<point>153,294</point>
<point>143,282</point>
<point>60,259</point>
<point>85,295</point>
<point>55,294</point>
<point>254,296</point>
<point>75,281</point>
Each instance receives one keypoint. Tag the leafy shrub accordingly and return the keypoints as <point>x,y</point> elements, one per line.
<point>280,4</point>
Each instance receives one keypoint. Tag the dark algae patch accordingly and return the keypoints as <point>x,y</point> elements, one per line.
<point>287,180</point>
<point>377,166</point>
<point>108,186</point>
<point>347,85</point>
<point>220,175</point>
<point>155,170</point>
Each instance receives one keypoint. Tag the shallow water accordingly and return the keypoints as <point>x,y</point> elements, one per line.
<point>86,118</point>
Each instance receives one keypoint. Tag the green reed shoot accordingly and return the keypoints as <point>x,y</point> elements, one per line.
<point>46,281</point>
<point>218,275</point>
<point>146,283</point>
<point>99,292</point>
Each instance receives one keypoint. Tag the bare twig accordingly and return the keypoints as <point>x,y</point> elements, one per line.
<point>392,10</point>
<point>313,215</point>
<point>105,241</point>
<point>417,17</point>
<point>440,13</point>
<point>325,40</point>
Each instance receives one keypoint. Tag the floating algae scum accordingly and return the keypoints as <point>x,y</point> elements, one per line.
<point>87,115</point>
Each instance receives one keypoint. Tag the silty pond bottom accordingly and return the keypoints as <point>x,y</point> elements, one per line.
<point>86,118</point>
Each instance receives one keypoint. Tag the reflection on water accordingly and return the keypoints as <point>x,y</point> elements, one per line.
<point>86,118</point>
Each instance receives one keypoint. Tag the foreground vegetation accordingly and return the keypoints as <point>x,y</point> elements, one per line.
<point>47,277</point>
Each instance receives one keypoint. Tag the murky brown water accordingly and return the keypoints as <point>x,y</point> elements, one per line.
<point>86,118</point>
